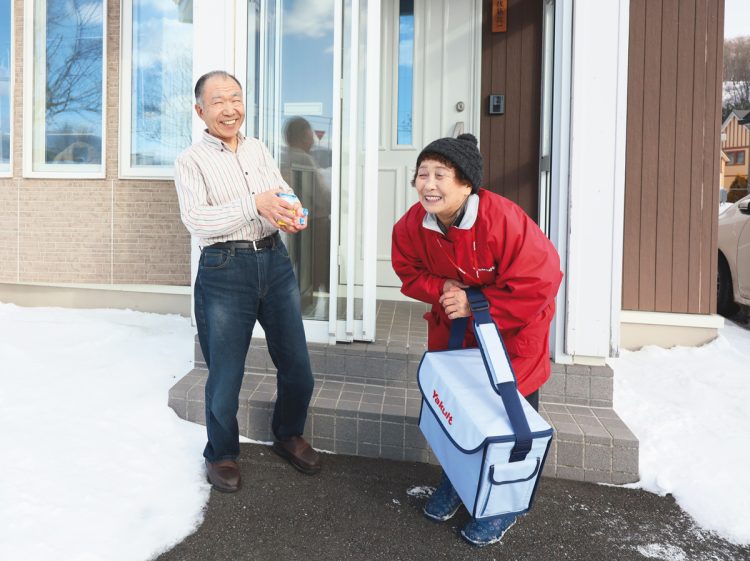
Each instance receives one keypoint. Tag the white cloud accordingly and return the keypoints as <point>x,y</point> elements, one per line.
<point>162,40</point>
<point>309,18</point>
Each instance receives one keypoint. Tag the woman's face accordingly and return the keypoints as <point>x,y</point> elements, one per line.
<point>439,191</point>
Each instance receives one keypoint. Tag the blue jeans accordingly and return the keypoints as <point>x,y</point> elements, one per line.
<point>233,289</point>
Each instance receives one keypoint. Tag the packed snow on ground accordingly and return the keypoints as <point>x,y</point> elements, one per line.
<point>689,409</point>
<point>420,491</point>
<point>95,465</point>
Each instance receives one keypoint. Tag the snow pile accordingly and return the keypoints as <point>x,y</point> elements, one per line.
<point>689,409</point>
<point>95,465</point>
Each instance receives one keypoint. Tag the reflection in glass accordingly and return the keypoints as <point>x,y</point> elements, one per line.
<point>161,81</point>
<point>4,85</point>
<point>68,60</point>
<point>301,165</point>
<point>297,125</point>
<point>405,70</point>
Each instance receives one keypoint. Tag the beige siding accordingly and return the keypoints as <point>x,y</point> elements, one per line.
<point>737,136</point>
<point>89,231</point>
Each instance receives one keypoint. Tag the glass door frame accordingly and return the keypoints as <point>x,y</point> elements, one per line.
<point>348,329</point>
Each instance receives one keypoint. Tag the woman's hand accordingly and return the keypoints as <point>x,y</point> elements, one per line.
<point>454,302</point>
<point>452,283</point>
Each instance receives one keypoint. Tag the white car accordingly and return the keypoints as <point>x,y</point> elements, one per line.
<point>734,258</point>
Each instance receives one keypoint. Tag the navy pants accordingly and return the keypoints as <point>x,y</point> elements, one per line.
<point>235,288</point>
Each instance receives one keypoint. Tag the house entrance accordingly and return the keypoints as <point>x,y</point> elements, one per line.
<point>429,88</point>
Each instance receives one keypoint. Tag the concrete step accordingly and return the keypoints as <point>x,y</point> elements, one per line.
<point>364,413</point>
<point>395,365</point>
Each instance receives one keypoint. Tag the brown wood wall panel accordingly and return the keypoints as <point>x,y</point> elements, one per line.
<point>713,201</point>
<point>634,133</point>
<point>650,158</point>
<point>511,65</point>
<point>683,152</point>
<point>513,103</point>
<point>665,191</point>
<point>672,162</point>
<point>709,168</point>
<point>531,47</point>
<point>696,175</point>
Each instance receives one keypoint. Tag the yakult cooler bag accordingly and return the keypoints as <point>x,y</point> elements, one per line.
<point>491,443</point>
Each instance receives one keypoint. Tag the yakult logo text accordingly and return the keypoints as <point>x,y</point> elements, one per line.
<point>441,406</point>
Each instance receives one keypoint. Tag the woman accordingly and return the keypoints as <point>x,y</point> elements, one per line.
<point>459,235</point>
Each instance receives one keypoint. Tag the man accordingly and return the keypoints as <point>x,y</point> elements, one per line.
<point>227,186</point>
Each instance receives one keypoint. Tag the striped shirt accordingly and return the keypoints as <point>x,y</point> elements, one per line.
<point>216,189</point>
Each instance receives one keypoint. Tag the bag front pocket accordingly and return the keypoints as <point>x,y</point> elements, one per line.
<point>510,486</point>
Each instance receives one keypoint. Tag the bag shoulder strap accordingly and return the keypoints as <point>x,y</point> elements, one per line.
<point>495,360</point>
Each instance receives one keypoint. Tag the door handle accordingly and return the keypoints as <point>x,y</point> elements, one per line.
<point>458,129</point>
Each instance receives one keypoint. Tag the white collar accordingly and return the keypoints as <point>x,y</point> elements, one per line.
<point>467,222</point>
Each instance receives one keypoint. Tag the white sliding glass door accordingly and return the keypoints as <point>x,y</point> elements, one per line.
<point>305,66</point>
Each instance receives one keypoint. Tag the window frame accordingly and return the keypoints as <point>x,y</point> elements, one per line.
<point>125,169</point>
<point>733,159</point>
<point>12,87</point>
<point>29,109</point>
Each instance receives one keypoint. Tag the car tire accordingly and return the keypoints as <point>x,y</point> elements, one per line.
<point>725,303</point>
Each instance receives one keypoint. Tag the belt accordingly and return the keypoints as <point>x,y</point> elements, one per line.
<point>255,245</point>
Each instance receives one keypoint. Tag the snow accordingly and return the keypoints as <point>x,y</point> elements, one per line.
<point>662,552</point>
<point>688,408</point>
<point>420,491</point>
<point>97,466</point>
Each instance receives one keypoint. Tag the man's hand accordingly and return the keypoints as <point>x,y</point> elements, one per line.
<point>280,212</point>
<point>454,302</point>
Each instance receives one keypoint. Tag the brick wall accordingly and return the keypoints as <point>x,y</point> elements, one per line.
<point>88,231</point>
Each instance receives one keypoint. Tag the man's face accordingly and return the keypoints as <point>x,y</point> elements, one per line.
<point>308,140</point>
<point>222,110</point>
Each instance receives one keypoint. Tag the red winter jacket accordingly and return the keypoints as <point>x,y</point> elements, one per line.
<point>500,249</point>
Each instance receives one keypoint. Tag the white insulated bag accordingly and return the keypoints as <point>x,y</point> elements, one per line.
<point>491,443</point>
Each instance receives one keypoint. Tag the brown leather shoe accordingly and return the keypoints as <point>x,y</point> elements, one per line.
<point>224,475</point>
<point>298,453</point>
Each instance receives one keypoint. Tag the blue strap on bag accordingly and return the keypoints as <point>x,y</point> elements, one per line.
<point>502,378</point>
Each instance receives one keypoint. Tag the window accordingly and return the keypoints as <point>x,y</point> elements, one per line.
<point>405,71</point>
<point>65,119</point>
<point>294,116</point>
<point>736,158</point>
<point>5,85</point>
<point>157,88</point>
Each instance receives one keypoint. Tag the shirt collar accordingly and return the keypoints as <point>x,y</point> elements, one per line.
<point>467,222</point>
<point>219,144</point>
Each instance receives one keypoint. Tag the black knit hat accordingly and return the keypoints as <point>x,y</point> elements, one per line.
<point>462,152</point>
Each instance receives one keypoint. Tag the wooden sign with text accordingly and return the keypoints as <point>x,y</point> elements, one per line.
<point>499,16</point>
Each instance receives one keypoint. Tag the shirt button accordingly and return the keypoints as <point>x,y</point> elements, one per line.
<point>245,173</point>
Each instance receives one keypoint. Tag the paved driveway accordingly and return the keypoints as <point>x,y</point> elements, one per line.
<point>359,509</point>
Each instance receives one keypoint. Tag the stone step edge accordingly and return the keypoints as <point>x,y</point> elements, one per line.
<point>586,437</point>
